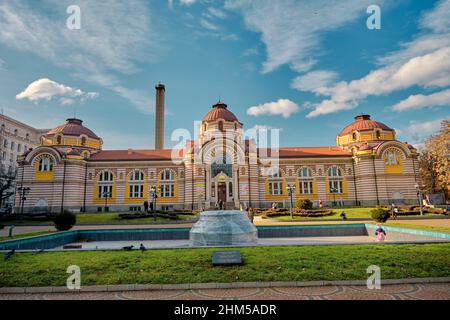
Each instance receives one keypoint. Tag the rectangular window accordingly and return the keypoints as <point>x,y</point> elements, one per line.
<point>167,190</point>
<point>136,191</point>
<point>306,187</point>
<point>105,192</point>
<point>276,188</point>
<point>337,186</point>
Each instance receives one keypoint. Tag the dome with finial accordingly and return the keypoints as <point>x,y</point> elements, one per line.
<point>220,111</point>
<point>364,130</point>
<point>74,134</point>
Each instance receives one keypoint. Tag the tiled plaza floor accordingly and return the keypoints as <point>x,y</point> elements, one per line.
<point>432,291</point>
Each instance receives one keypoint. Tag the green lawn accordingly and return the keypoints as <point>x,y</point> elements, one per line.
<point>302,263</point>
<point>24,235</point>
<point>87,218</point>
<point>352,213</point>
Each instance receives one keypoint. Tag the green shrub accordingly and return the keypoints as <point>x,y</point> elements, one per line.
<point>304,204</point>
<point>379,214</point>
<point>65,221</point>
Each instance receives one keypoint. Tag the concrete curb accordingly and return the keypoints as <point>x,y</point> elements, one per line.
<point>197,286</point>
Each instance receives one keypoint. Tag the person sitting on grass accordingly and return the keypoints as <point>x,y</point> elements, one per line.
<point>343,216</point>
<point>380,233</point>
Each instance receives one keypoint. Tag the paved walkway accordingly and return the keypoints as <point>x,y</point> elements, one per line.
<point>430,291</point>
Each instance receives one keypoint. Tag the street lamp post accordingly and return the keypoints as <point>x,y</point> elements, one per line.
<point>154,194</point>
<point>291,190</point>
<point>106,195</point>
<point>23,192</point>
<point>333,191</point>
<point>419,197</point>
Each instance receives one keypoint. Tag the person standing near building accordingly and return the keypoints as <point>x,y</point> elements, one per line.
<point>146,206</point>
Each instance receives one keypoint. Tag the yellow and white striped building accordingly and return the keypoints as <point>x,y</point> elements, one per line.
<point>70,170</point>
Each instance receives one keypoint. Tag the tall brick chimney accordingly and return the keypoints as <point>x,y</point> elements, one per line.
<point>159,125</point>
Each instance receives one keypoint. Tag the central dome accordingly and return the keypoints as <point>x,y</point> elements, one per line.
<point>220,111</point>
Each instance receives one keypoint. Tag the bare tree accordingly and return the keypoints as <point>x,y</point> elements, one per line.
<point>434,162</point>
<point>7,183</point>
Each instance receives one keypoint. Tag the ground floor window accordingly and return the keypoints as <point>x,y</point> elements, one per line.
<point>306,187</point>
<point>276,188</point>
<point>137,191</point>
<point>167,190</point>
<point>337,186</point>
<point>105,191</point>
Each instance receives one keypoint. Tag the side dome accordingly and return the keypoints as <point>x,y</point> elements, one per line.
<point>220,111</point>
<point>363,130</point>
<point>72,134</point>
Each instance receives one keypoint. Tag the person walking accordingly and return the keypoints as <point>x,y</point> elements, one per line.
<point>380,234</point>
<point>151,206</point>
<point>392,210</point>
<point>395,213</point>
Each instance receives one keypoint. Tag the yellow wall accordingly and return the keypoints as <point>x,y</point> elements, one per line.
<point>313,196</point>
<point>43,176</point>
<point>128,200</point>
<point>281,197</point>
<point>98,200</point>
<point>394,169</point>
<point>343,195</point>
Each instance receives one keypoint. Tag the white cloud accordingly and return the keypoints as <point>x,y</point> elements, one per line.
<point>419,101</point>
<point>107,43</point>
<point>45,89</point>
<point>419,131</point>
<point>282,107</point>
<point>2,64</point>
<point>424,62</point>
<point>208,25</point>
<point>250,52</point>
<point>314,80</point>
<point>292,30</point>
<point>187,2</point>
<point>437,19</point>
<point>216,13</point>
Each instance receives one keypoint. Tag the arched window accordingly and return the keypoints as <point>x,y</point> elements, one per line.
<point>230,189</point>
<point>354,136</point>
<point>305,181</point>
<point>136,184</point>
<point>221,126</point>
<point>378,134</point>
<point>276,182</point>
<point>204,127</point>
<point>335,180</point>
<point>105,187</point>
<point>45,164</point>
<point>83,141</point>
<point>58,140</point>
<point>167,183</point>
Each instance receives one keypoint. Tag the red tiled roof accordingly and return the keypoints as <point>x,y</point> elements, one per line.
<point>306,152</point>
<point>73,127</point>
<point>220,111</point>
<point>136,155</point>
<point>363,123</point>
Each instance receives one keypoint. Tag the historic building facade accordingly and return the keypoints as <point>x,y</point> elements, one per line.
<point>15,138</point>
<point>69,170</point>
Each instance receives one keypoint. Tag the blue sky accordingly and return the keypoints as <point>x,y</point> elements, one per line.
<point>307,67</point>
